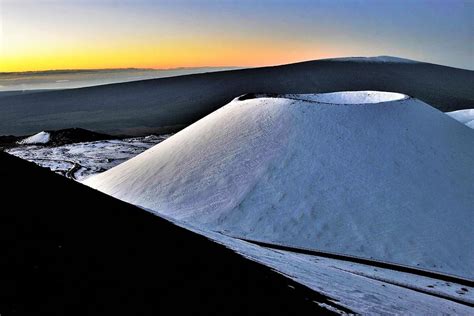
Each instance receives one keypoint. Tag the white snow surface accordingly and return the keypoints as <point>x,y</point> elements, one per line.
<point>377,59</point>
<point>391,181</point>
<point>40,138</point>
<point>463,116</point>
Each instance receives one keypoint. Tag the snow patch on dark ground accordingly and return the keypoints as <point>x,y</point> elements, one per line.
<point>81,160</point>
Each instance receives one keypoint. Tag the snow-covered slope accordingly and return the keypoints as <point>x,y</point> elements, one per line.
<point>464,116</point>
<point>376,59</point>
<point>40,138</point>
<point>380,176</point>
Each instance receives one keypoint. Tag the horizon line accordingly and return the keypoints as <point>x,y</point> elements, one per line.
<point>118,69</point>
<point>59,70</point>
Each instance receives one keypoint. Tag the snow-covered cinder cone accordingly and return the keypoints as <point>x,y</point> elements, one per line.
<point>40,138</point>
<point>372,174</point>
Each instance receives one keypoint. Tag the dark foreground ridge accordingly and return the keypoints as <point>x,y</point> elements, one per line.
<point>67,249</point>
<point>168,104</point>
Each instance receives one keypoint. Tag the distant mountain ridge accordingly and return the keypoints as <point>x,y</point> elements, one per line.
<point>72,70</point>
<point>34,81</point>
<point>169,104</point>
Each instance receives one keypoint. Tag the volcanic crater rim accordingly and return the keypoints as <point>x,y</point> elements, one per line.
<point>364,97</point>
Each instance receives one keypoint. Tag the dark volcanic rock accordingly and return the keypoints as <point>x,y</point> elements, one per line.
<point>9,141</point>
<point>67,249</point>
<point>75,135</point>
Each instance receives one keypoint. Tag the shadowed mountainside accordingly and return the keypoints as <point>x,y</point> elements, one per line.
<point>169,104</point>
<point>70,250</point>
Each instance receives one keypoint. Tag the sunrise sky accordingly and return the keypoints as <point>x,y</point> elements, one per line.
<point>79,34</point>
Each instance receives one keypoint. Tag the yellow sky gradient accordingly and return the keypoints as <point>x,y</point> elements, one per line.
<point>36,36</point>
<point>92,34</point>
<point>169,54</point>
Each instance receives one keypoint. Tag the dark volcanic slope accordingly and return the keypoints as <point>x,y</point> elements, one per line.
<point>137,107</point>
<point>74,135</point>
<point>67,249</point>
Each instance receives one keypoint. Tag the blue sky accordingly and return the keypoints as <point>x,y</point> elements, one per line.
<point>105,33</point>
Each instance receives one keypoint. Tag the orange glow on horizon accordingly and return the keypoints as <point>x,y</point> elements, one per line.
<point>40,35</point>
<point>160,60</point>
<point>169,54</point>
